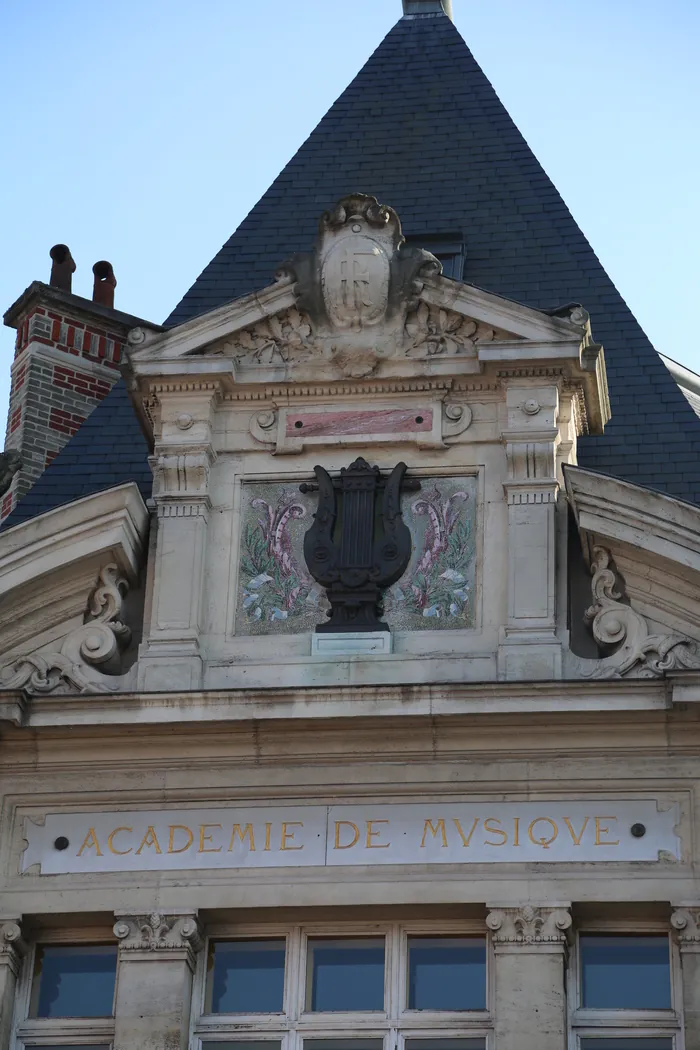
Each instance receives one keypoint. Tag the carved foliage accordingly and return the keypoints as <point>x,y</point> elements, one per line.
<point>158,933</point>
<point>529,925</point>
<point>433,330</point>
<point>95,644</point>
<point>617,627</point>
<point>285,338</point>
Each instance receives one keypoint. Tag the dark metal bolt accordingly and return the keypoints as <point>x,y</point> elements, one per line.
<point>61,843</point>
<point>638,830</point>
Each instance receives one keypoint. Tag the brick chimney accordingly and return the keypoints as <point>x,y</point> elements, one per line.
<point>67,358</point>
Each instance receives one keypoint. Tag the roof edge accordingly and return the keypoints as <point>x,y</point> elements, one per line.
<point>47,293</point>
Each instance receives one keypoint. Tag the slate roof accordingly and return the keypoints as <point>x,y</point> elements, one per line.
<point>109,449</point>
<point>422,129</point>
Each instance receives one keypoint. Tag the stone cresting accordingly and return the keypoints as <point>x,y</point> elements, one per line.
<point>529,925</point>
<point>87,651</point>
<point>615,625</point>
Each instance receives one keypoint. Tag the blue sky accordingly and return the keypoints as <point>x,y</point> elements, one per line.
<point>144,131</point>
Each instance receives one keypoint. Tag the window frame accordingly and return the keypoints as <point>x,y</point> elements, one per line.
<point>393,1025</point>
<point>591,1022</point>
<point>29,1032</point>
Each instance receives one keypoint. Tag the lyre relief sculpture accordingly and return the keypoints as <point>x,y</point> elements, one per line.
<point>358,545</point>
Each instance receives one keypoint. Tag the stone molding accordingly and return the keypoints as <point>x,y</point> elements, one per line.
<point>529,927</point>
<point>159,933</point>
<point>13,947</point>
<point>685,920</point>
<point>616,625</point>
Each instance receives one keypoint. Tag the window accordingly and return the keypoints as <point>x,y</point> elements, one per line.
<point>74,981</point>
<point>626,1044</point>
<point>246,977</point>
<point>346,987</point>
<point>623,985</point>
<point>446,973</point>
<point>65,999</point>
<point>345,975</point>
<point>625,973</point>
<point>447,247</point>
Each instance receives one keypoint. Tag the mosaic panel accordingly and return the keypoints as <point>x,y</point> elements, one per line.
<point>437,592</point>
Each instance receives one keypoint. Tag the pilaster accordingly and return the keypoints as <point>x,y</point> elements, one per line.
<point>530,946</point>
<point>157,956</point>
<point>686,922</point>
<point>171,656</point>
<point>528,646</point>
<point>12,950</point>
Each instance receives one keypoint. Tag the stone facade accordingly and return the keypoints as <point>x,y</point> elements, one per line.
<point>182,766</point>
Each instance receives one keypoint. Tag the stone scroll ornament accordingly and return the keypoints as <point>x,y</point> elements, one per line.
<point>358,545</point>
<point>621,631</point>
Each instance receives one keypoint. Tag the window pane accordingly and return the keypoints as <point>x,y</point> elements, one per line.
<point>345,975</point>
<point>445,1044</point>
<point>74,982</point>
<point>446,973</point>
<point>246,1044</point>
<point>626,1044</point>
<point>343,1044</point>
<point>626,973</point>
<point>246,977</point>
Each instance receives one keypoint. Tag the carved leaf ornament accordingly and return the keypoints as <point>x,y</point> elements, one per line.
<point>94,644</point>
<point>615,625</point>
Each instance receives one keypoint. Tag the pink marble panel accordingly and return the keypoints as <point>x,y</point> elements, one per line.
<point>378,421</point>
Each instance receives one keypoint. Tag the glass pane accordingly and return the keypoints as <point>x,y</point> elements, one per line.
<point>74,982</point>
<point>345,975</point>
<point>343,1044</point>
<point>594,1043</point>
<point>446,973</point>
<point>445,1044</point>
<point>246,977</point>
<point>245,1044</point>
<point>626,973</point>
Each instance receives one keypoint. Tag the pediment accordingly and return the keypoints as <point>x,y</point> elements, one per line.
<point>362,303</point>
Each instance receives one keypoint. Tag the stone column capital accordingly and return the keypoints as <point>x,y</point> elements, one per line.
<point>529,928</point>
<point>685,920</point>
<point>159,933</point>
<point>13,947</point>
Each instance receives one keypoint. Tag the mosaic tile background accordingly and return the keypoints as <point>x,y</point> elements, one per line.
<point>278,596</point>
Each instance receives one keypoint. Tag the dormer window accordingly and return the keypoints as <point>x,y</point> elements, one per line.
<point>447,247</point>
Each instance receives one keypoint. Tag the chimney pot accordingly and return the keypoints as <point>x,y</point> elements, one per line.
<point>105,283</point>
<point>428,7</point>
<point>62,268</point>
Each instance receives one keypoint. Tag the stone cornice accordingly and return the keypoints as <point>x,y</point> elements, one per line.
<point>418,701</point>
